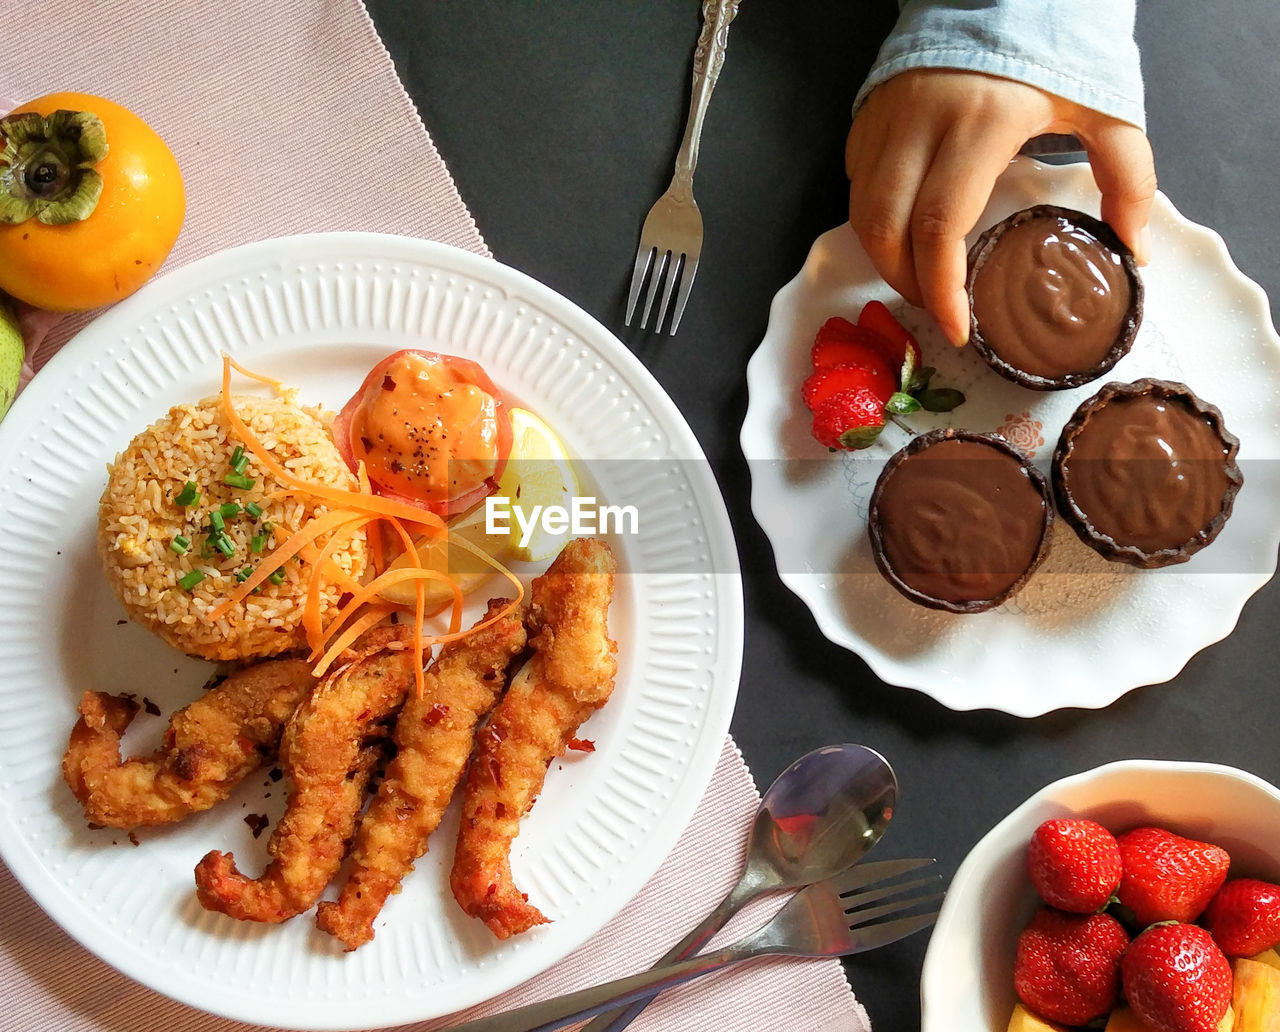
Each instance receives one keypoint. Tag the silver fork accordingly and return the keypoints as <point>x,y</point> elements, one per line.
<point>671,237</point>
<point>829,919</point>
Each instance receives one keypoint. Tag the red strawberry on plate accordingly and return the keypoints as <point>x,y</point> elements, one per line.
<point>1067,967</point>
<point>840,342</point>
<point>1176,979</point>
<point>879,320</point>
<point>1168,877</point>
<point>1244,916</point>
<point>1074,864</point>
<point>827,383</point>
<point>849,420</point>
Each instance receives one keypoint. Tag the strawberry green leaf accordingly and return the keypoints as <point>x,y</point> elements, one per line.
<point>919,380</point>
<point>860,437</point>
<point>940,399</point>
<point>901,403</point>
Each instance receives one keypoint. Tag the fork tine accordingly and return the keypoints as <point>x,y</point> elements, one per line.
<point>852,903</point>
<point>644,256</point>
<point>661,268</point>
<point>891,931</point>
<point>674,271</point>
<point>686,285</point>
<point>868,874</point>
<point>861,917</point>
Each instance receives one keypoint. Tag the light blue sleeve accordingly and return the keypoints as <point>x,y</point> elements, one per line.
<point>1082,50</point>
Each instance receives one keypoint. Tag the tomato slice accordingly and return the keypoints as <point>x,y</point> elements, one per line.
<point>431,429</point>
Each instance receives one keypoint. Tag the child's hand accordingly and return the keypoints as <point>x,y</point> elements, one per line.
<point>923,155</point>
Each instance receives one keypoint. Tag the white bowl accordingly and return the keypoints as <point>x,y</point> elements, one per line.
<point>967,983</point>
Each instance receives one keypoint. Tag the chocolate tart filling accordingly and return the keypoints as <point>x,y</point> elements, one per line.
<point>959,520</point>
<point>1146,473</point>
<point>1055,299</point>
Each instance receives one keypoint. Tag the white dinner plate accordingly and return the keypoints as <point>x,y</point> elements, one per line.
<point>318,312</point>
<point>1083,631</point>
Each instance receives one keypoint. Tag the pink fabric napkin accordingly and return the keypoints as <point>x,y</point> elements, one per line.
<point>255,100</point>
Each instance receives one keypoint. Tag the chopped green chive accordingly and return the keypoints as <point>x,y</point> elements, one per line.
<point>189,580</point>
<point>266,527</point>
<point>253,509</point>
<point>258,543</point>
<point>230,511</point>
<point>206,548</point>
<point>276,576</point>
<point>239,460</point>
<point>243,574</point>
<point>217,522</point>
<point>181,545</point>
<point>189,494</point>
<point>224,544</point>
<point>239,480</point>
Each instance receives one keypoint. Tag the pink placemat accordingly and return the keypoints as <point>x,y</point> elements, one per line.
<point>260,102</point>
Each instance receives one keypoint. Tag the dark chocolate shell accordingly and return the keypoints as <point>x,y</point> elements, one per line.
<point>902,580</point>
<point>1128,329</point>
<point>1085,525</point>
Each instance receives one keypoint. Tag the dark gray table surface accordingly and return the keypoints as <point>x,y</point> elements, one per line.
<point>560,122</point>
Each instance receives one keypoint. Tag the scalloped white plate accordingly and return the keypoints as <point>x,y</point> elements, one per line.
<point>1083,631</point>
<point>318,312</point>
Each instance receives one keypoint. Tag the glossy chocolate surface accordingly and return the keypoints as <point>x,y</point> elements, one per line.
<point>958,520</point>
<point>1146,472</point>
<point>1055,297</point>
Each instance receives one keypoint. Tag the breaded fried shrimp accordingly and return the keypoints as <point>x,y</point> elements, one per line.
<point>329,751</point>
<point>433,740</point>
<point>569,676</point>
<point>210,746</point>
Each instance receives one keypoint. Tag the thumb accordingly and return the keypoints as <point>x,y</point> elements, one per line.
<point>1124,169</point>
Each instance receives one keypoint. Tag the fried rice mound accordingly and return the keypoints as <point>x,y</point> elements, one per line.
<point>152,546</point>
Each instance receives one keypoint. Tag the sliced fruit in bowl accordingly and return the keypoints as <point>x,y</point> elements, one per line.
<point>968,976</point>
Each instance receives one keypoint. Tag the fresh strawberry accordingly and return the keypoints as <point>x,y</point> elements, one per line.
<point>879,320</point>
<point>1176,979</point>
<point>840,342</point>
<point>1074,864</point>
<point>849,420</point>
<point>1067,967</point>
<point>1244,916</point>
<point>827,383</point>
<point>1168,877</point>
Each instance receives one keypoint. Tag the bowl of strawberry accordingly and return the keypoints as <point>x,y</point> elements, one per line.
<point>1141,896</point>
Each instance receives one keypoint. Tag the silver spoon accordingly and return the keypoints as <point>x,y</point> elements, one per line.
<point>821,816</point>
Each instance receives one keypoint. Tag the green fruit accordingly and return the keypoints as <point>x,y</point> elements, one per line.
<point>11,354</point>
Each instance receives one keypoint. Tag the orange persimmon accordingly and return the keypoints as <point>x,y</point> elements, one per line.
<point>91,202</point>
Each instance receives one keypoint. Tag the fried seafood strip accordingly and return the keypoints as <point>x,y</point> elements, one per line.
<point>329,751</point>
<point>210,746</point>
<point>569,676</point>
<point>433,739</point>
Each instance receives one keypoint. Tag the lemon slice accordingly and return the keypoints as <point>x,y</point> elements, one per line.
<point>466,568</point>
<point>538,473</point>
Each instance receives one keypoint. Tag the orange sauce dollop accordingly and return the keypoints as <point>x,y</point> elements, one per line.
<point>431,428</point>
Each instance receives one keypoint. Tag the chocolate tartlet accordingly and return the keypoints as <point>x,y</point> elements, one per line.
<point>1054,297</point>
<point>959,520</point>
<point>1146,473</point>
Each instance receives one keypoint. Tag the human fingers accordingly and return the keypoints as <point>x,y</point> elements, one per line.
<point>885,171</point>
<point>1124,169</point>
<point>952,197</point>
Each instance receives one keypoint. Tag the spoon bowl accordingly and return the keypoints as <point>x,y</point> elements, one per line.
<point>821,815</point>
